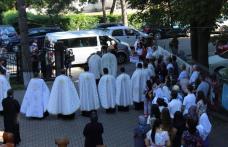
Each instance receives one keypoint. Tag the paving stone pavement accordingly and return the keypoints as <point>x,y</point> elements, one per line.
<point>118,127</point>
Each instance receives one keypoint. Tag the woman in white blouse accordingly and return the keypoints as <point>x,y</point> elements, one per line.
<point>157,137</point>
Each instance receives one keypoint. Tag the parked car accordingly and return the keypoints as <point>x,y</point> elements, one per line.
<point>106,25</point>
<point>8,37</point>
<point>166,32</point>
<point>125,34</point>
<point>85,43</point>
<point>39,34</point>
<point>217,62</point>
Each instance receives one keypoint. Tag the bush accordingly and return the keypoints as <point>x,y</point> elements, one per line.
<point>66,22</point>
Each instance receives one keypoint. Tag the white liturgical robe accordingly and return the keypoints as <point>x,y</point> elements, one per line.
<point>123,90</point>
<point>4,87</point>
<point>64,98</point>
<point>107,91</point>
<point>35,99</point>
<point>109,61</point>
<point>138,82</point>
<point>95,65</point>
<point>88,92</point>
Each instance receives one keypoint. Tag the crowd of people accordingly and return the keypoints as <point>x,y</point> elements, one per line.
<point>174,102</point>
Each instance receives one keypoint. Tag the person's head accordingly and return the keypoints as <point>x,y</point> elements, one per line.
<point>174,58</point>
<point>176,88</point>
<point>105,71</point>
<point>202,77</point>
<point>35,74</point>
<point>191,125</point>
<point>63,71</point>
<point>190,88</point>
<point>155,111</point>
<point>93,117</point>
<point>139,65</point>
<point>10,93</point>
<point>149,84</point>
<point>192,113</point>
<point>86,68</point>
<point>173,94</point>
<point>195,68</point>
<point>2,61</point>
<point>122,70</point>
<point>183,67</point>
<point>178,118</point>
<point>156,125</point>
<point>161,102</point>
<point>166,119</point>
<point>145,65</point>
<point>200,96</point>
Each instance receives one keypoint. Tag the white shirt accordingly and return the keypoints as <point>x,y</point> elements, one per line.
<point>194,77</point>
<point>189,101</point>
<point>183,75</point>
<point>161,138</point>
<point>174,106</point>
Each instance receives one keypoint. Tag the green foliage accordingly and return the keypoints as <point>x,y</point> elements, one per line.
<point>66,22</point>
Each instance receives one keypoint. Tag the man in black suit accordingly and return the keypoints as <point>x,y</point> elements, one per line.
<point>11,109</point>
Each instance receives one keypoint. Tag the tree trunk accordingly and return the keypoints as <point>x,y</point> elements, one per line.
<point>203,39</point>
<point>194,41</point>
<point>124,12</point>
<point>170,21</point>
<point>113,7</point>
<point>23,27</point>
<point>104,11</point>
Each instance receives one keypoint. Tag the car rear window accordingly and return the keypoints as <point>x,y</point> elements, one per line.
<point>80,42</point>
<point>117,32</point>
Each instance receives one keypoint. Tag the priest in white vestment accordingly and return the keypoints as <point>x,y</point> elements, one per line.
<point>64,99</point>
<point>147,71</point>
<point>95,66</point>
<point>4,87</point>
<point>107,91</point>
<point>123,91</point>
<point>109,61</point>
<point>138,82</point>
<point>36,98</point>
<point>88,92</point>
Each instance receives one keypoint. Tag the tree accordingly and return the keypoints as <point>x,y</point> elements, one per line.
<point>103,2</point>
<point>23,27</point>
<point>6,5</point>
<point>124,12</point>
<point>200,15</point>
<point>113,7</point>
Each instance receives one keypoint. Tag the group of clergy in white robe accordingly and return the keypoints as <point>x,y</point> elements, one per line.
<point>64,98</point>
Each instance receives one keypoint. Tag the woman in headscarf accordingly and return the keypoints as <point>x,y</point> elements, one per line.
<point>192,113</point>
<point>140,132</point>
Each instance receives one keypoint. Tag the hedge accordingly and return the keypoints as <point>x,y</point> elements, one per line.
<point>66,22</point>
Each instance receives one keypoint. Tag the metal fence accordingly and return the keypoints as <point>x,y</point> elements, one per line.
<point>12,62</point>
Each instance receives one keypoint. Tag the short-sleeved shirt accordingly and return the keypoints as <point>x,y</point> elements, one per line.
<point>189,100</point>
<point>174,106</point>
<point>161,138</point>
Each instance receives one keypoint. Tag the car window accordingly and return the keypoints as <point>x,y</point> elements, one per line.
<point>80,42</point>
<point>117,32</point>
<point>131,32</point>
<point>225,55</point>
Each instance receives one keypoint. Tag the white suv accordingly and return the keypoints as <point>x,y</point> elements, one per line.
<point>125,34</point>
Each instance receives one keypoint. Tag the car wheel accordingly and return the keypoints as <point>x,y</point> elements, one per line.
<point>121,58</point>
<point>157,36</point>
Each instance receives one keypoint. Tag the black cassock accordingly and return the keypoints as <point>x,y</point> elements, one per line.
<point>93,134</point>
<point>11,109</point>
